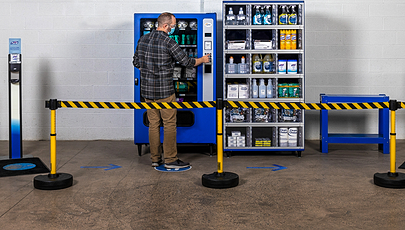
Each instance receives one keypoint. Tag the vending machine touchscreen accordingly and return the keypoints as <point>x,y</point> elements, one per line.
<point>195,34</point>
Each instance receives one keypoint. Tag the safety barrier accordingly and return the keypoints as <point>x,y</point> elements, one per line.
<point>220,179</point>
<point>134,105</point>
<point>229,104</point>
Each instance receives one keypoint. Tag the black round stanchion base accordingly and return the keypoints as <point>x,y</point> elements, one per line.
<point>220,180</point>
<point>53,181</point>
<point>390,180</point>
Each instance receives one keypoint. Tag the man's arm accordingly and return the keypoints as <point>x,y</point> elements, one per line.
<point>203,59</point>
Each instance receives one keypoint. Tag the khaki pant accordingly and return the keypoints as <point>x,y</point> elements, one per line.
<point>169,128</point>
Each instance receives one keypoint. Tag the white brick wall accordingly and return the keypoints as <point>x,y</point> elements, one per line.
<point>354,47</point>
<point>82,50</point>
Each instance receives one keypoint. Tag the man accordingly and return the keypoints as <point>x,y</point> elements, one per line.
<point>155,56</point>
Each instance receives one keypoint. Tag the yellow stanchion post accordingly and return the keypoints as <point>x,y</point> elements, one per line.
<point>53,180</point>
<point>53,141</point>
<point>392,179</point>
<point>220,138</point>
<point>220,179</point>
<point>393,143</point>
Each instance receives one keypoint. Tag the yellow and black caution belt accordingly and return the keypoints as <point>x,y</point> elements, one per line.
<point>229,104</point>
<point>307,106</point>
<point>136,105</point>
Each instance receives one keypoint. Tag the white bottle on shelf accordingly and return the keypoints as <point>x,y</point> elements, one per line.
<point>230,18</point>
<point>231,68</point>
<point>255,89</point>
<point>243,68</point>
<point>262,89</point>
<point>267,64</point>
<point>241,18</point>
<point>269,89</point>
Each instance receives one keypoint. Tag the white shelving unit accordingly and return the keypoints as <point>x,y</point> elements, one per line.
<point>264,130</point>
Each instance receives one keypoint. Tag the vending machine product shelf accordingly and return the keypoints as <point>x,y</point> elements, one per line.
<point>267,39</point>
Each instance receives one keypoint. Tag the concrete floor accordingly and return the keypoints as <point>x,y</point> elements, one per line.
<point>317,191</point>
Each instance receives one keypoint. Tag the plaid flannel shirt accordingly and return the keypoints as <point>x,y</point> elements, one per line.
<point>155,56</point>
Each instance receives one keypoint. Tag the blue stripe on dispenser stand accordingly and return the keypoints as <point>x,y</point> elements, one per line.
<point>15,138</point>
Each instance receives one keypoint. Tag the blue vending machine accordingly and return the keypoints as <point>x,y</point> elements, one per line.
<point>196,35</point>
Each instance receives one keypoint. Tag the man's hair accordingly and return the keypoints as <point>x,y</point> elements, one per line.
<point>165,18</point>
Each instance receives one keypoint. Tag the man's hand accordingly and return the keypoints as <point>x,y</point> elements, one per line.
<point>203,59</point>
<point>206,58</point>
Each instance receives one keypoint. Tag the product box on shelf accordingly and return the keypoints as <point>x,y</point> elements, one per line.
<point>236,115</point>
<point>263,115</point>
<point>292,137</point>
<point>241,141</point>
<point>236,45</point>
<point>289,115</point>
<point>288,137</point>
<point>263,142</point>
<point>290,90</point>
<point>263,44</point>
<point>233,91</point>
<point>283,137</point>
<point>232,141</point>
<point>243,91</point>
<point>236,133</point>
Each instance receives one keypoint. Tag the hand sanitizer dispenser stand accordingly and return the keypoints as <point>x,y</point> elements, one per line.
<point>17,164</point>
<point>14,89</point>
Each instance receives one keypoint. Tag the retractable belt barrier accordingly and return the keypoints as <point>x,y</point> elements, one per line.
<point>228,104</point>
<point>221,179</point>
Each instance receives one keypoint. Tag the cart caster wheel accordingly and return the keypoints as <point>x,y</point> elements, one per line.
<point>140,149</point>
<point>299,154</point>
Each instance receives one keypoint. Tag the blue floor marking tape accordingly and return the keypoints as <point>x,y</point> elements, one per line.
<point>19,166</point>
<point>112,166</point>
<point>162,168</point>
<point>274,167</point>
